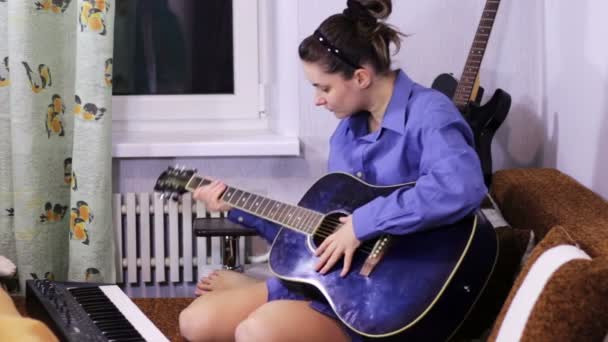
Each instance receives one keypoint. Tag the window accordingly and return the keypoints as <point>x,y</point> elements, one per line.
<point>189,79</point>
<point>185,60</point>
<point>186,49</point>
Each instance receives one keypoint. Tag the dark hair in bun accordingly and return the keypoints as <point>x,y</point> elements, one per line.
<point>343,42</point>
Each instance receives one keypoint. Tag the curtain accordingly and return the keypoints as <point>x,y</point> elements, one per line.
<point>55,138</point>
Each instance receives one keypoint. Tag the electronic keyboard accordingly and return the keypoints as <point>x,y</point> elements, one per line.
<point>88,312</point>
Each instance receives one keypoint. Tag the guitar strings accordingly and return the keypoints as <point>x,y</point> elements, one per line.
<point>324,231</point>
<point>328,226</point>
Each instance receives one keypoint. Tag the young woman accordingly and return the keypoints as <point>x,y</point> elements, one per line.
<point>392,131</point>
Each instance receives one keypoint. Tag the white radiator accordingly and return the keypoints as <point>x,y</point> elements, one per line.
<point>155,241</point>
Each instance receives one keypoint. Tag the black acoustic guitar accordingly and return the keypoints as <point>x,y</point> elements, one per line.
<point>484,120</point>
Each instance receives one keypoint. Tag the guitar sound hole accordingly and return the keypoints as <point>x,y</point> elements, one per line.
<point>330,223</point>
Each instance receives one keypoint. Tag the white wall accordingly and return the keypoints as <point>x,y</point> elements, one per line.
<point>549,59</point>
<point>576,83</point>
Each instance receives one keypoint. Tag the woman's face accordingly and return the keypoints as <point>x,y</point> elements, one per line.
<point>332,91</point>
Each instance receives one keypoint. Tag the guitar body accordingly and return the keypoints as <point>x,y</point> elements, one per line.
<point>483,120</point>
<point>422,289</point>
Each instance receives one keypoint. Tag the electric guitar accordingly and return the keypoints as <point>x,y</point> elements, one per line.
<point>484,120</point>
<point>413,287</point>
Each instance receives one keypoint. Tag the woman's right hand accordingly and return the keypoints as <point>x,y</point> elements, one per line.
<point>210,195</point>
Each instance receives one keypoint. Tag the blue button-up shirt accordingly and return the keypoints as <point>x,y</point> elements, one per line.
<point>423,139</point>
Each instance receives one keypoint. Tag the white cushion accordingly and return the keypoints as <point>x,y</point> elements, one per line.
<point>532,286</point>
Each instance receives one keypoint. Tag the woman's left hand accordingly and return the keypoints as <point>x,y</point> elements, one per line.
<point>342,242</point>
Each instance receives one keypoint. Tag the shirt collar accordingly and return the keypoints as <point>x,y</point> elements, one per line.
<point>394,116</point>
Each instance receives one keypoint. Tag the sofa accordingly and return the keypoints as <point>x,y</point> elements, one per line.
<point>560,292</point>
<point>551,278</point>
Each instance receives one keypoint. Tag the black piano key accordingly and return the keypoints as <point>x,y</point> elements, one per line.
<point>81,312</point>
<point>101,310</point>
<point>107,318</point>
<point>120,331</point>
<point>107,322</point>
<point>111,326</point>
<point>119,335</point>
<point>111,321</point>
<point>105,315</point>
<point>93,300</point>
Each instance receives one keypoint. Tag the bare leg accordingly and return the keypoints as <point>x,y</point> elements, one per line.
<point>7,307</point>
<point>289,320</point>
<point>223,280</point>
<point>215,316</point>
<point>13,327</point>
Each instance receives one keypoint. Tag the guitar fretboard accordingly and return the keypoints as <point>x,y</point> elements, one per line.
<point>287,215</point>
<point>466,86</point>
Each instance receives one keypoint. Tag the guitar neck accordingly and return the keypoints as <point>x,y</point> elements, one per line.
<point>290,216</point>
<point>468,85</point>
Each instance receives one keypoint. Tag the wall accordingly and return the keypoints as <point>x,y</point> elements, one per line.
<point>551,70</point>
<point>576,83</point>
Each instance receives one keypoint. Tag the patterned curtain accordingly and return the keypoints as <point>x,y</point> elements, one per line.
<point>55,138</point>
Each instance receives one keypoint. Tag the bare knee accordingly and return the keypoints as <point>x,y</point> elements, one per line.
<point>253,329</point>
<point>194,326</point>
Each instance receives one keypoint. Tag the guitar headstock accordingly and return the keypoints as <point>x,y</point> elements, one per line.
<point>172,182</point>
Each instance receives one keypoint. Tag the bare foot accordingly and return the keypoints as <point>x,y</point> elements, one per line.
<point>222,280</point>
<point>7,268</point>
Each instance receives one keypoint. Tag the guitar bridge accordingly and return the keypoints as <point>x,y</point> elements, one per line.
<point>376,255</point>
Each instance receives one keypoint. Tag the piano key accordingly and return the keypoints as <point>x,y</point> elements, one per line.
<point>80,312</point>
<point>132,313</point>
<point>84,312</point>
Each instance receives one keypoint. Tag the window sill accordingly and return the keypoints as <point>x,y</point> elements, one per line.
<point>203,144</point>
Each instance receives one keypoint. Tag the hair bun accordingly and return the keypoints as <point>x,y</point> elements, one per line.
<point>358,12</point>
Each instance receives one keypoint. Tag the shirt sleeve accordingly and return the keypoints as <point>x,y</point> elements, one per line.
<point>450,186</point>
<point>265,229</point>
